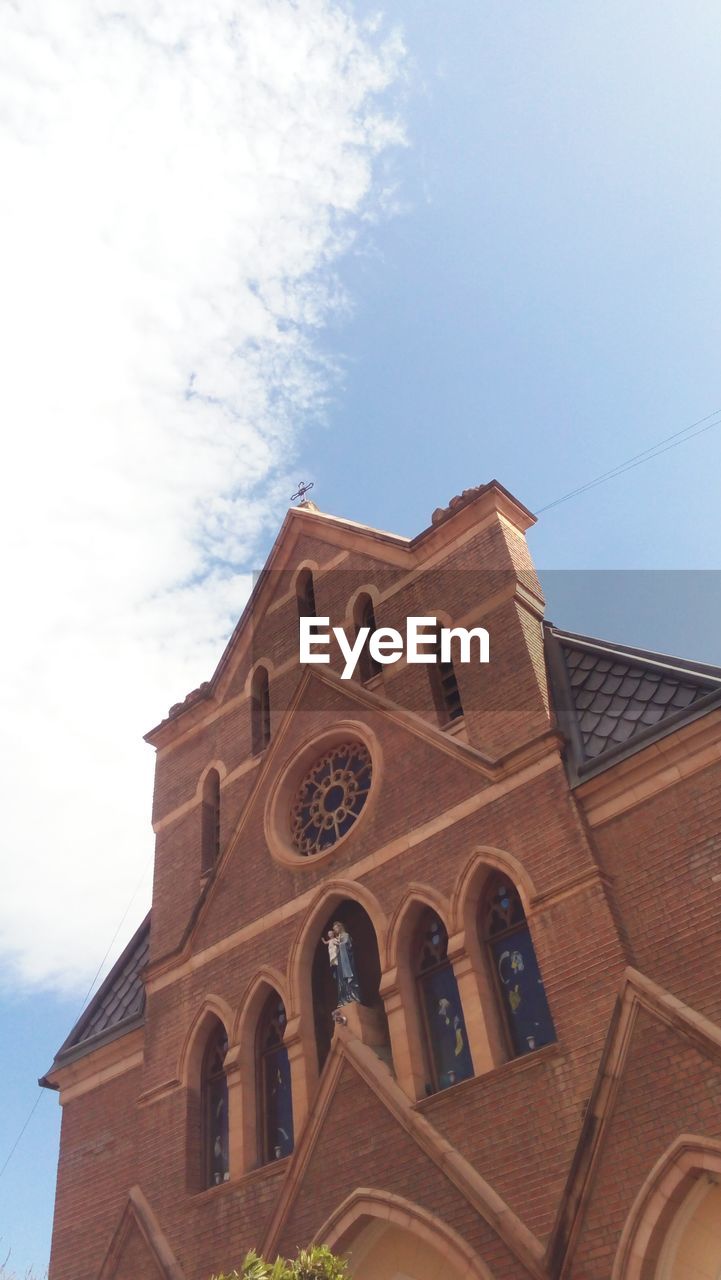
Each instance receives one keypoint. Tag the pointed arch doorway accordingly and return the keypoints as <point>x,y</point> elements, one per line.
<point>692,1247</point>
<point>384,1251</point>
<point>386,1237</point>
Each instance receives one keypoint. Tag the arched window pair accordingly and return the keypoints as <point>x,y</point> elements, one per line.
<point>260,736</point>
<point>274,1104</point>
<point>363,616</point>
<point>511,957</point>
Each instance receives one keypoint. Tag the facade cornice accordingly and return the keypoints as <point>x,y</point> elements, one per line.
<point>490,501</point>
<point>97,1066</point>
<point>653,769</point>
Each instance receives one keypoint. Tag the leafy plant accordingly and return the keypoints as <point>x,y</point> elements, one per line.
<point>318,1263</point>
<point>315,1263</point>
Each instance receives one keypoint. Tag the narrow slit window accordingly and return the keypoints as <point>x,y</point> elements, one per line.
<point>305,594</point>
<point>210,821</point>
<point>445,686</point>
<point>260,710</point>
<point>364,615</point>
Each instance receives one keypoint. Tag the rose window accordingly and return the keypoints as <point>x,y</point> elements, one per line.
<point>330,797</point>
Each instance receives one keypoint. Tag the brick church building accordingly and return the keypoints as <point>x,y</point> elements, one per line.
<point>432,972</point>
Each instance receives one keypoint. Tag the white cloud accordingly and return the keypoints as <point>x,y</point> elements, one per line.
<point>179,177</point>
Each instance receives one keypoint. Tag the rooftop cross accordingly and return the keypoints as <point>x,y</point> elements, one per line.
<point>303,489</point>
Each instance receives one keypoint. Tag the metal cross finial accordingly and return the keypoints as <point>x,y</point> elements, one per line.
<point>303,489</point>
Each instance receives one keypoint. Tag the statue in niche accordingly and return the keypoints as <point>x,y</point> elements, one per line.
<point>342,963</point>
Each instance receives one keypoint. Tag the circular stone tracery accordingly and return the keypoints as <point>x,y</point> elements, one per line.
<point>330,797</point>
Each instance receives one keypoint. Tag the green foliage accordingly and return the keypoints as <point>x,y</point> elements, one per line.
<point>315,1263</point>
<point>256,1268</point>
<point>318,1263</point>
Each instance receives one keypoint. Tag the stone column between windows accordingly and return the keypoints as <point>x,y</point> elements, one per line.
<point>240,1158</point>
<point>299,1074</point>
<point>481,1036</point>
<point>398,995</point>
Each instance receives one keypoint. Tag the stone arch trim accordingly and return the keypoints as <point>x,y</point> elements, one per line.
<point>364,589</point>
<point>265,981</point>
<point>483,861</point>
<point>306,939</point>
<point>241,1068</point>
<point>194,1043</point>
<point>365,1202</point>
<point>300,568</point>
<point>416,897</point>
<point>300,1033</point>
<point>221,770</point>
<point>661,1192</point>
<point>399,987</point>
<point>268,666</point>
<point>290,773</point>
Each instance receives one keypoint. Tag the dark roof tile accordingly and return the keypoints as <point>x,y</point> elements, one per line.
<point>119,1003</point>
<point>612,700</point>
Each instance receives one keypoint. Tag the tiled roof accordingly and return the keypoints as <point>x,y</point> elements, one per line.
<point>117,1006</point>
<point>612,701</point>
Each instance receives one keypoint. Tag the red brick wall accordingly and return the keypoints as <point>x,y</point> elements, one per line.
<point>519,1123</point>
<point>668,1088</point>
<point>99,1162</point>
<point>662,857</point>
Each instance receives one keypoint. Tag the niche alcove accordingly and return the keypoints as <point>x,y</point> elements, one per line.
<point>367,962</point>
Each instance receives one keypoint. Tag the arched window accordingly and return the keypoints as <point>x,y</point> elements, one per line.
<point>446,693</point>
<point>305,594</point>
<point>210,821</point>
<point>504,930</point>
<point>214,1101</point>
<point>447,1042</point>
<point>260,710</point>
<point>364,616</point>
<point>275,1103</point>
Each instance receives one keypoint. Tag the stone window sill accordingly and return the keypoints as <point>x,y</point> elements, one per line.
<point>525,1062</point>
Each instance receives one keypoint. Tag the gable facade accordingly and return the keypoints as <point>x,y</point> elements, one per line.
<point>578,792</point>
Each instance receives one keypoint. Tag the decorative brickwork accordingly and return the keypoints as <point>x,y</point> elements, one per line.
<point>591,791</point>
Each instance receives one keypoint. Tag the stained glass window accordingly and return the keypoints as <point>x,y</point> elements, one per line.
<point>275,1098</point>
<point>518,977</point>
<point>449,1054</point>
<point>215,1108</point>
<point>330,797</point>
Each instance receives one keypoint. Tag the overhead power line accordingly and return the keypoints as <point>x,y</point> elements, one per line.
<point>98,971</point>
<point>646,455</point>
<point>16,1143</point>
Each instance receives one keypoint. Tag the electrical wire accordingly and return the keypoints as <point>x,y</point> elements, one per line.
<point>16,1143</point>
<point>98,971</point>
<point>637,459</point>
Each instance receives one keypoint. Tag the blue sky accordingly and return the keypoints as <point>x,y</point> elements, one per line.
<point>525,287</point>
